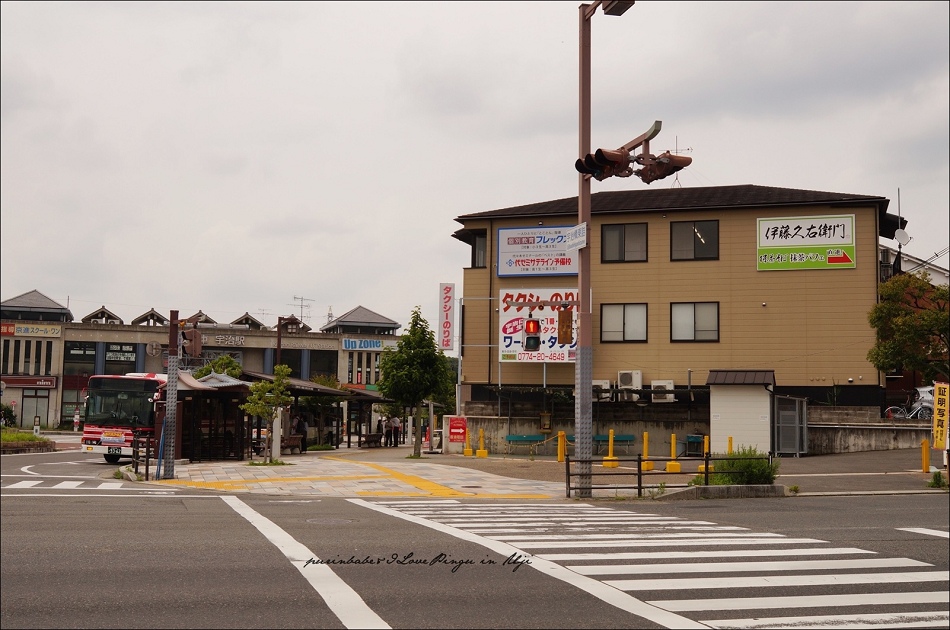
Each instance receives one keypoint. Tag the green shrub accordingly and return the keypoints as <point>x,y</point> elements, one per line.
<point>744,467</point>
<point>12,435</point>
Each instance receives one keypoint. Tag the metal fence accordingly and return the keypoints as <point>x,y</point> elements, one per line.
<point>631,476</point>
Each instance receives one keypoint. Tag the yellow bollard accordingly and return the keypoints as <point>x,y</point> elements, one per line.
<point>925,456</point>
<point>467,451</point>
<point>610,461</point>
<point>729,448</point>
<point>561,446</point>
<point>674,466</point>
<point>646,465</point>
<point>481,452</point>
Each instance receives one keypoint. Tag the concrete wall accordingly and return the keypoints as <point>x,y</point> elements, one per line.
<point>830,429</point>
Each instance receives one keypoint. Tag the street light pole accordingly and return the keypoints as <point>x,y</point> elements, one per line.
<point>584,364</point>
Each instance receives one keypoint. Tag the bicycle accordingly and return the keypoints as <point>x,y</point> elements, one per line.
<point>918,411</point>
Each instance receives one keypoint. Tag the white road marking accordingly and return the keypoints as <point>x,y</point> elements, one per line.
<point>25,484</point>
<point>925,532</point>
<point>779,580</point>
<point>598,589</point>
<point>342,600</point>
<point>723,567</point>
<point>810,601</point>
<point>936,619</point>
<point>720,553</point>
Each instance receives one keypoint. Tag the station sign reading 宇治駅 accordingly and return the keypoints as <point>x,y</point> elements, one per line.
<point>357,343</point>
<point>516,305</point>
<point>536,252</point>
<point>819,242</point>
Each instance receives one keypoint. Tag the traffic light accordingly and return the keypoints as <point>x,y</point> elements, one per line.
<point>191,342</point>
<point>565,327</point>
<point>602,164</point>
<point>663,165</point>
<point>532,334</point>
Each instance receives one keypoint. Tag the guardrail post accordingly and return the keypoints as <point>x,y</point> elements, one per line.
<point>640,474</point>
<point>567,474</point>
<point>706,468</point>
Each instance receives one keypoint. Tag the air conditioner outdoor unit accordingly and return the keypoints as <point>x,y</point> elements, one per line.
<point>630,379</point>
<point>659,386</point>
<point>601,389</point>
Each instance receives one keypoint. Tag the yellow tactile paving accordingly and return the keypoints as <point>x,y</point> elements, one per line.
<point>216,477</point>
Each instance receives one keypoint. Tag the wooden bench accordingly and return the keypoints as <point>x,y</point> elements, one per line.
<point>373,439</point>
<point>290,443</point>
<point>529,441</point>
<point>602,441</point>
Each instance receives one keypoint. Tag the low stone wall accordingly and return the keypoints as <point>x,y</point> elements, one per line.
<point>8,448</point>
<point>827,439</point>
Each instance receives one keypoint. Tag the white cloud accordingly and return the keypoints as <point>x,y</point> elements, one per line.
<point>233,157</point>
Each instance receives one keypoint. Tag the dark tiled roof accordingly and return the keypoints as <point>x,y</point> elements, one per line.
<point>34,302</point>
<point>361,316</point>
<point>100,314</point>
<point>741,377</point>
<point>151,318</point>
<point>703,198</point>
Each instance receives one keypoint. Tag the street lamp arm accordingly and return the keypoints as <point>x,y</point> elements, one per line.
<point>644,138</point>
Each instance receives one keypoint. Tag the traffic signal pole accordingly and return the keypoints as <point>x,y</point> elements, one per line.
<point>584,364</point>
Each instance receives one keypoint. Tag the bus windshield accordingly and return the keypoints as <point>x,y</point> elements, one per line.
<point>112,405</point>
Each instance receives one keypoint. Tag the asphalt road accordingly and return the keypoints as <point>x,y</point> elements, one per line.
<point>82,555</point>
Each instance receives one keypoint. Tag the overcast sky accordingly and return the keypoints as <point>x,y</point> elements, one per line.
<point>265,157</point>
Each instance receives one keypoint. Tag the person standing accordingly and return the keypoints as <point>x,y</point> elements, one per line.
<point>397,430</point>
<point>303,428</point>
<point>388,426</point>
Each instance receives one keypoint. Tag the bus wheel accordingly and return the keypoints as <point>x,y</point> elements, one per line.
<point>112,459</point>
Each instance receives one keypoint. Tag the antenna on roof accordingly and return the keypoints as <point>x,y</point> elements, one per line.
<point>302,300</point>
<point>329,314</point>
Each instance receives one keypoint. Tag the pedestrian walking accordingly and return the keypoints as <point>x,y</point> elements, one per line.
<point>397,431</point>
<point>388,427</point>
<point>303,428</point>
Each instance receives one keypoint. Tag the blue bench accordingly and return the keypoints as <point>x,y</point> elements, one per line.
<point>602,441</point>
<point>529,441</point>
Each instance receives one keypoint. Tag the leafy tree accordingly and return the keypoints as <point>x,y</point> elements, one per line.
<point>8,415</point>
<point>266,397</point>
<point>224,364</point>
<point>913,326</point>
<point>414,371</point>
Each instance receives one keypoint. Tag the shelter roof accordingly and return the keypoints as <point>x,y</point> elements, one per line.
<point>300,386</point>
<point>741,377</point>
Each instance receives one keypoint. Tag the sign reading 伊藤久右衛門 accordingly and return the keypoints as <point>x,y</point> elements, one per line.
<point>818,242</point>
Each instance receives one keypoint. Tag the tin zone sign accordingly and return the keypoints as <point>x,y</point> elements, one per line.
<point>819,242</point>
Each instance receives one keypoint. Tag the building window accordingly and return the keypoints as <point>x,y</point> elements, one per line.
<point>623,322</point>
<point>623,242</point>
<point>694,321</point>
<point>480,251</point>
<point>694,240</point>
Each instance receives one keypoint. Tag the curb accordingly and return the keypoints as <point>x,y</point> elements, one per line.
<point>725,492</point>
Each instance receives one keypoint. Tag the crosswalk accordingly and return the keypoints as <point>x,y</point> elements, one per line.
<point>691,573</point>
<point>47,484</point>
